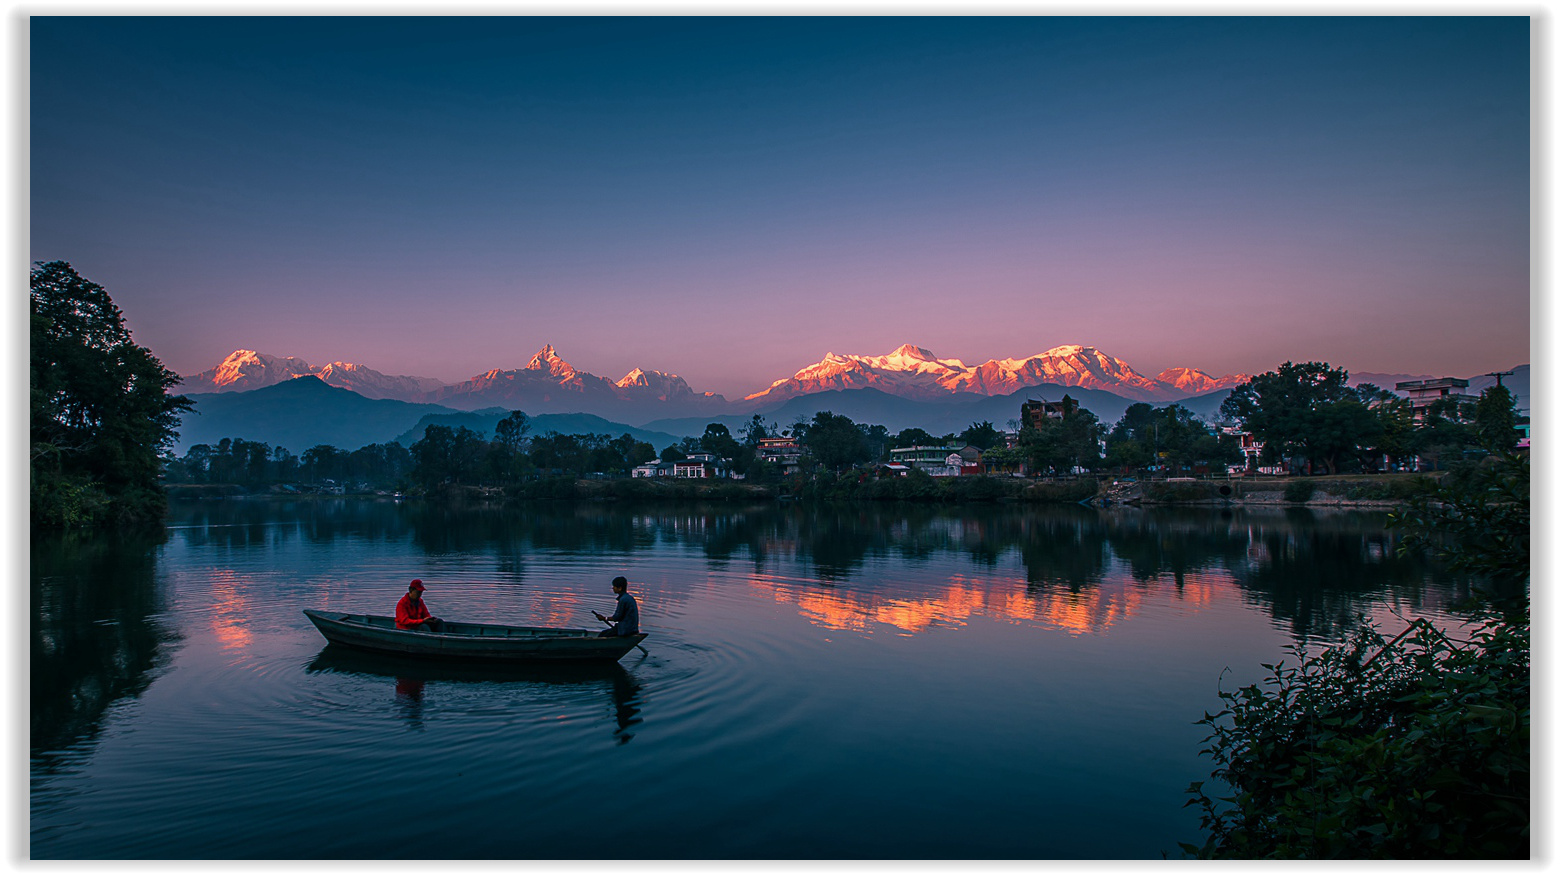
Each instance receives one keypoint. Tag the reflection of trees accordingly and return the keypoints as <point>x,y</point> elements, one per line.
<point>94,637</point>
<point>1317,573</point>
<point>1065,549</point>
<point>1159,542</point>
<point>1313,571</point>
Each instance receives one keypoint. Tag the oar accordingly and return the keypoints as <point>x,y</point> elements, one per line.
<point>605,621</point>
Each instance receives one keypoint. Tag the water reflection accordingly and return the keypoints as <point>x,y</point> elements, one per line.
<point>96,634</point>
<point>1312,571</point>
<point>407,680</point>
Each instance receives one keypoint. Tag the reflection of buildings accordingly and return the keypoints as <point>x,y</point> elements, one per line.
<point>1091,610</point>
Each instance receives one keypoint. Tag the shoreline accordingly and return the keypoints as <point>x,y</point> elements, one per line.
<point>1364,492</point>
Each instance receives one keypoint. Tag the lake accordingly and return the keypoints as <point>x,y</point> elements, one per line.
<point>853,681</point>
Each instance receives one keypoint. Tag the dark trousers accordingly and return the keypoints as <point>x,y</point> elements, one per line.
<point>432,625</point>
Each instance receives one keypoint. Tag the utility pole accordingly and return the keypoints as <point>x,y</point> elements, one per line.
<point>1498,375</point>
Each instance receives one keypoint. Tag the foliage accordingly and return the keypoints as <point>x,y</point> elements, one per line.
<point>100,413</point>
<point>511,431</point>
<point>1170,437</point>
<point>717,440</point>
<point>982,435</point>
<point>1478,520</point>
<point>836,441</point>
<point>1495,420</point>
<point>1412,748</point>
<point>915,437</point>
<point>1305,410</point>
<point>1064,444</point>
<point>444,455</point>
<point>1445,434</point>
<point>1416,747</point>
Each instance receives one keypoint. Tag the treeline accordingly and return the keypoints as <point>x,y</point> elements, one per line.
<point>513,457</point>
<point>99,409</point>
<point>1309,420</point>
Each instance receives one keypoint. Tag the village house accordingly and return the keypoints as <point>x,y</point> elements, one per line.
<point>1038,412</point>
<point>784,452</point>
<point>937,461</point>
<point>697,465</point>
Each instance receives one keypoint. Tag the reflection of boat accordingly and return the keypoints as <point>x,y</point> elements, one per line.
<point>403,668</point>
<point>474,642</point>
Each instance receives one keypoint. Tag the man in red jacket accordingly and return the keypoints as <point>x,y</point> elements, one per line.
<point>411,614</point>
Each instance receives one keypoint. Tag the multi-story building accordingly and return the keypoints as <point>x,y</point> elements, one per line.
<point>1424,393</point>
<point>784,452</point>
<point>1037,412</point>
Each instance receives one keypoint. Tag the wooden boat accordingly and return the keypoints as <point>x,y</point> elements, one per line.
<point>474,642</point>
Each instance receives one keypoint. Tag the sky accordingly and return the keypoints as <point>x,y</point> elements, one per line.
<point>729,199</point>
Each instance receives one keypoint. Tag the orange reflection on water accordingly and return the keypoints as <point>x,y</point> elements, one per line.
<point>1089,610</point>
<point>230,611</point>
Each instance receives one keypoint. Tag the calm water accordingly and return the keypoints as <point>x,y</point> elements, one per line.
<point>852,682</point>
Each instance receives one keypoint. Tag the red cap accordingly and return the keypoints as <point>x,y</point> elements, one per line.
<point>417,584</point>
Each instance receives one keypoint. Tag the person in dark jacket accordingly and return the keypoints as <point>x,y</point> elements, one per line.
<point>412,614</point>
<point>625,619</point>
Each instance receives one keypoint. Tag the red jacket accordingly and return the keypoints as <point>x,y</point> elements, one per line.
<point>409,614</point>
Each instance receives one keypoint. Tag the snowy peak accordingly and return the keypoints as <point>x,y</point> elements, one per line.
<point>654,384</point>
<point>912,352</point>
<point>369,383</point>
<point>547,361</point>
<point>247,369</point>
<point>1194,382</point>
<point>915,372</point>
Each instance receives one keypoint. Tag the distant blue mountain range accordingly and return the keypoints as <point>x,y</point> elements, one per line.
<point>305,412</point>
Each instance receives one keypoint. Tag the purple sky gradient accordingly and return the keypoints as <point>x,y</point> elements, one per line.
<point>729,199</point>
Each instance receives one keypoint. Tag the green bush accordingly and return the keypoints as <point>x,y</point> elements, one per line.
<point>1413,748</point>
<point>1418,747</point>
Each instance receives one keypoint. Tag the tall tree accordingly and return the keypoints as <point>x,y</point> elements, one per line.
<point>717,440</point>
<point>100,409</point>
<point>836,441</point>
<point>1305,410</point>
<point>1496,419</point>
<point>982,435</point>
<point>511,430</point>
<point>1064,444</point>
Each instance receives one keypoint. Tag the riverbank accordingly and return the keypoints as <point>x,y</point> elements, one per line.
<point>1352,491</point>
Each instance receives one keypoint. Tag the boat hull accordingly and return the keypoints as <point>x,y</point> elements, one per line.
<point>487,643</point>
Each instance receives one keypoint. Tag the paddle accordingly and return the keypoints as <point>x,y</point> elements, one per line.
<point>603,618</point>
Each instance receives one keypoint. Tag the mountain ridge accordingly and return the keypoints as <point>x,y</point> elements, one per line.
<point>549,384</point>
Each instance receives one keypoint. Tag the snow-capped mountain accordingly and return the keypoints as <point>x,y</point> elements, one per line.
<point>658,385</point>
<point>372,384</point>
<point>915,372</point>
<point>246,369</point>
<point>549,384</point>
<point>1194,382</point>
